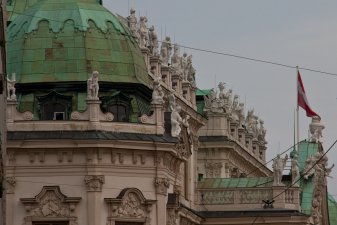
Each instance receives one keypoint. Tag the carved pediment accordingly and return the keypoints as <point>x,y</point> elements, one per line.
<point>50,202</point>
<point>130,204</point>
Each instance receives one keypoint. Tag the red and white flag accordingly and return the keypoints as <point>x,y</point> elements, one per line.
<point>302,98</point>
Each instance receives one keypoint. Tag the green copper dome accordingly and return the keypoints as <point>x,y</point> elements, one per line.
<point>65,40</point>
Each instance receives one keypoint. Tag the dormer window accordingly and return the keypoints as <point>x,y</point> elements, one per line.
<point>54,106</point>
<point>119,105</point>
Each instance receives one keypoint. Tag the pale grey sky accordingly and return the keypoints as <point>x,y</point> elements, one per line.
<point>302,32</point>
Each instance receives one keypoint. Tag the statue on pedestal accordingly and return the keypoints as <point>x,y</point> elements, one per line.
<point>295,171</point>
<point>132,23</point>
<point>278,167</point>
<point>157,94</point>
<point>176,121</point>
<point>11,88</point>
<point>153,41</point>
<point>316,128</point>
<point>143,32</point>
<point>176,59</point>
<point>166,51</point>
<point>93,86</point>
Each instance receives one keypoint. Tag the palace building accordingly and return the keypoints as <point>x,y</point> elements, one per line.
<point>105,124</point>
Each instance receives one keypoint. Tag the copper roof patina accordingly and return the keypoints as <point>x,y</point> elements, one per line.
<point>65,40</point>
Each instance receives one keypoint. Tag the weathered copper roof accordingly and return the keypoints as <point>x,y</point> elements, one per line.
<point>65,40</point>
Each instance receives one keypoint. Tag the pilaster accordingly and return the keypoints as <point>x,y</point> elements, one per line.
<point>94,184</point>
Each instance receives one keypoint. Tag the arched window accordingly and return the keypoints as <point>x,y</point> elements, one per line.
<point>54,106</point>
<point>119,105</point>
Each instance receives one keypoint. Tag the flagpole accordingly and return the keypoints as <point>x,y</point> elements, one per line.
<point>297,109</point>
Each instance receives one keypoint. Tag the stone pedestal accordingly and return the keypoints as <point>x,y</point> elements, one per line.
<point>280,199</point>
<point>166,74</point>
<point>234,129</point>
<point>157,118</point>
<point>241,135</point>
<point>146,53</point>
<point>249,141</point>
<point>255,148</point>
<point>217,125</point>
<point>14,115</point>
<point>155,65</point>
<point>176,83</point>
<point>186,89</point>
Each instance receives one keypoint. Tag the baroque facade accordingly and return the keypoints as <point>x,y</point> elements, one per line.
<point>107,126</point>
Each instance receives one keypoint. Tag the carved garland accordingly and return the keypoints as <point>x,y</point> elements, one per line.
<point>50,203</point>
<point>130,205</point>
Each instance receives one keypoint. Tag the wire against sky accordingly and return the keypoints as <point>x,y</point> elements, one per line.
<point>214,52</point>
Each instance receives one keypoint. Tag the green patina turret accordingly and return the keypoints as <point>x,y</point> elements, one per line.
<point>55,45</point>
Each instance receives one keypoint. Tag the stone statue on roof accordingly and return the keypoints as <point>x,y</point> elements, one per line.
<point>176,121</point>
<point>316,128</point>
<point>233,108</point>
<point>295,171</point>
<point>190,71</point>
<point>184,67</point>
<point>278,167</point>
<point>153,41</point>
<point>93,86</point>
<point>166,51</point>
<point>11,87</point>
<point>176,59</point>
<point>143,32</point>
<point>133,23</point>
<point>240,112</point>
<point>262,132</point>
<point>171,101</point>
<point>157,94</point>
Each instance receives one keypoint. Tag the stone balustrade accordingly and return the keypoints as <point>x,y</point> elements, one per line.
<point>245,198</point>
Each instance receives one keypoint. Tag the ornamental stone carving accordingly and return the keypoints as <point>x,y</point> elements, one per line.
<point>278,167</point>
<point>10,185</point>
<point>176,59</point>
<point>316,128</point>
<point>50,203</point>
<point>161,184</point>
<point>130,204</point>
<point>171,217</point>
<point>93,86</point>
<point>213,169</point>
<point>94,182</point>
<point>11,88</point>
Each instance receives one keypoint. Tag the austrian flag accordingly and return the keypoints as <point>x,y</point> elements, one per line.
<point>302,98</point>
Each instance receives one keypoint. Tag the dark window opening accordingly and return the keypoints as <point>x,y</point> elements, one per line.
<point>200,176</point>
<point>119,105</point>
<point>52,223</point>
<point>54,106</point>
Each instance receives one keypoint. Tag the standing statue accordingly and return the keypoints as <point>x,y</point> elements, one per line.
<point>93,86</point>
<point>132,23</point>
<point>184,67</point>
<point>190,71</point>
<point>240,113</point>
<point>278,167</point>
<point>255,127</point>
<point>143,32</point>
<point>229,100</point>
<point>249,121</point>
<point>234,107</point>
<point>11,87</point>
<point>153,41</point>
<point>175,59</point>
<point>157,94</point>
<point>222,96</point>
<point>295,171</point>
<point>176,120</point>
<point>166,51</point>
<point>262,132</point>
<point>171,101</point>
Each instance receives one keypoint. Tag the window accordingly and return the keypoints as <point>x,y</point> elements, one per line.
<point>51,223</point>
<point>119,105</point>
<point>54,106</point>
<point>128,223</point>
